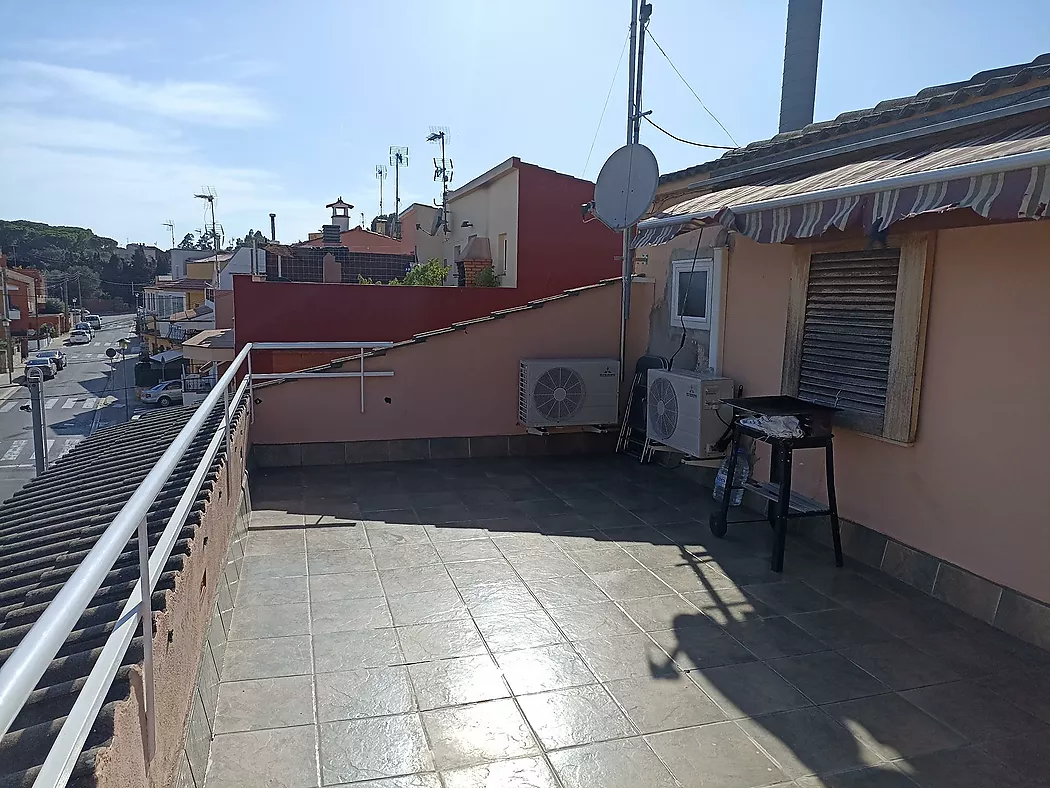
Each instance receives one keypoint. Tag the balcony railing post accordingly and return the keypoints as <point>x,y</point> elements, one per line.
<point>146,612</point>
<point>251,392</point>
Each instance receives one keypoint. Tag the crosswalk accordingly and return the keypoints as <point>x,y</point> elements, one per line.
<point>20,453</point>
<point>69,403</point>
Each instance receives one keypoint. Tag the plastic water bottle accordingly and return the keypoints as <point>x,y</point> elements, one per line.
<point>741,474</point>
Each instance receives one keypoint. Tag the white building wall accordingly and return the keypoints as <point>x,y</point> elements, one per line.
<point>492,209</point>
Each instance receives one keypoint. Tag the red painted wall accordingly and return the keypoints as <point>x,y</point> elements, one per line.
<point>556,250</point>
<point>357,239</point>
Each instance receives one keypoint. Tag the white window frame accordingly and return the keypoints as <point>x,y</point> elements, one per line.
<point>694,266</point>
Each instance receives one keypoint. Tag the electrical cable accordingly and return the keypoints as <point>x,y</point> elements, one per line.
<point>686,83</point>
<point>606,105</point>
<point>687,142</point>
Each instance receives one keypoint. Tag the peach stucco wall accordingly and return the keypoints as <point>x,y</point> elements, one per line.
<point>972,488</point>
<point>460,384</point>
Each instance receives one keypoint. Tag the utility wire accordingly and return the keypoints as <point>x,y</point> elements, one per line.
<point>686,83</point>
<point>687,142</point>
<point>606,105</point>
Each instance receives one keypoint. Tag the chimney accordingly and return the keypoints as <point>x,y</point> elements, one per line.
<point>330,234</point>
<point>273,227</point>
<point>798,92</point>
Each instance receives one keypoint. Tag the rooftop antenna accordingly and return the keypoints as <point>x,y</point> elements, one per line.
<point>398,159</point>
<point>439,135</point>
<point>380,176</point>
<point>171,226</point>
<point>208,195</point>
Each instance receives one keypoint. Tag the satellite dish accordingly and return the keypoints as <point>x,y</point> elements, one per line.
<point>626,186</point>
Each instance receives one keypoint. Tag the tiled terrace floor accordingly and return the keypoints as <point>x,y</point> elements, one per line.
<point>556,622</point>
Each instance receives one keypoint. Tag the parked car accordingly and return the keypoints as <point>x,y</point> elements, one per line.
<point>78,337</point>
<point>55,355</point>
<point>45,364</point>
<point>165,393</point>
<point>94,321</point>
<point>82,326</point>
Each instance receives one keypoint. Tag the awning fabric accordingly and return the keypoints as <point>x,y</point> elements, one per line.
<point>1020,193</point>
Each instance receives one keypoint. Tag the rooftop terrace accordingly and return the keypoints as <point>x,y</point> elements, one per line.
<point>571,622</point>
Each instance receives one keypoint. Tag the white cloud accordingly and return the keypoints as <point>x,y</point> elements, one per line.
<point>198,102</point>
<point>19,127</point>
<point>78,47</point>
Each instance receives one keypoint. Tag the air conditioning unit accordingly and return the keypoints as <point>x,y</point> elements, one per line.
<point>682,411</point>
<point>561,392</point>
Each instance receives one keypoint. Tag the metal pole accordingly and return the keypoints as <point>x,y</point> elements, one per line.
<point>7,332</point>
<point>643,22</point>
<point>146,613</point>
<point>127,388</point>
<point>397,194</point>
<point>251,392</point>
<point>625,280</point>
<point>362,358</point>
<point>36,395</point>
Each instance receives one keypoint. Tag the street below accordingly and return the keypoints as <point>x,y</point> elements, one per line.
<point>88,394</point>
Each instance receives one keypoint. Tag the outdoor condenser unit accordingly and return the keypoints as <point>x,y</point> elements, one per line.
<point>682,411</point>
<point>560,392</point>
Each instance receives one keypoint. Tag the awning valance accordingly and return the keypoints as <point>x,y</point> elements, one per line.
<point>1005,175</point>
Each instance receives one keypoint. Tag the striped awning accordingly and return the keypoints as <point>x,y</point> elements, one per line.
<point>1012,192</point>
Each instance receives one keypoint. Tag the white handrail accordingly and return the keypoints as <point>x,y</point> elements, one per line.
<point>62,757</point>
<point>24,668</point>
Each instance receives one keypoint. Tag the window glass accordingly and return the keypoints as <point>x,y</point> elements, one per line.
<point>692,293</point>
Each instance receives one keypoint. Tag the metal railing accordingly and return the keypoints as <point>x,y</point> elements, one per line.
<point>23,670</point>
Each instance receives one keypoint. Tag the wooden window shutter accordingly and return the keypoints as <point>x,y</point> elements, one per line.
<point>856,332</point>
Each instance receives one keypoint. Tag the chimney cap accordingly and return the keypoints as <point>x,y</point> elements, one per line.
<point>339,204</point>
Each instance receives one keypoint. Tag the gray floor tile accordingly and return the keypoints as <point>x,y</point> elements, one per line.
<point>967,654</point>
<point>905,618</point>
<point>454,682</point>
<point>370,749</point>
<point>539,566</point>
<point>479,733</point>
<point>566,591</point>
<point>281,757</point>
<point>371,648</point>
<point>731,605</point>
<point>330,562</point>
<point>689,579</point>
<point>472,573</point>
<point>841,628</point>
<point>456,532</point>
<point>657,704</point>
<point>371,692</point>
<point>791,596</point>
<point>975,712</point>
<point>264,703</point>
<point>403,556</point>
<point>622,763</point>
<point>270,621</point>
<point>468,550</point>
<point>899,665</point>
<point>349,615</point>
<point>808,741</point>
<point>968,767</point>
<point>885,775</point>
<point>498,598</point>
<point>267,658</point>
<point>604,558</point>
<point>1030,690</point>
<point>345,585</point>
<point>827,677</point>
<point>769,638</point>
<point>517,773</point>
<point>512,542</point>
<point>278,542</point>
<point>518,630</point>
<point>542,669</point>
<point>715,756</point>
<point>443,640</point>
<point>748,690</point>
<point>427,607</point>
<point>850,589</point>
<point>277,565</point>
<point>1028,754</point>
<point>597,619</point>
<point>581,540</point>
<point>701,645</point>
<point>578,715</point>
<point>266,591</point>
<point>622,584</point>
<point>623,657</point>
<point>428,780</point>
<point>420,578</point>
<point>272,516</point>
<point>893,727</point>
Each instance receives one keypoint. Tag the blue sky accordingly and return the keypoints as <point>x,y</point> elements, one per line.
<point>112,114</point>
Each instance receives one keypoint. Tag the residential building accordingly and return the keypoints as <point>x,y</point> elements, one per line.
<point>333,264</point>
<point>418,232</point>
<point>127,252</point>
<point>174,310</point>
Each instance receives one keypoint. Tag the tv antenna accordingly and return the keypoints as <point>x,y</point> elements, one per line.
<point>398,159</point>
<point>439,135</point>
<point>171,226</point>
<point>380,176</point>
<point>208,195</point>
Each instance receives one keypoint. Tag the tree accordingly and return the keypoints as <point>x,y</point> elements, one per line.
<point>53,306</point>
<point>187,242</point>
<point>90,281</point>
<point>432,273</point>
<point>252,235</point>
